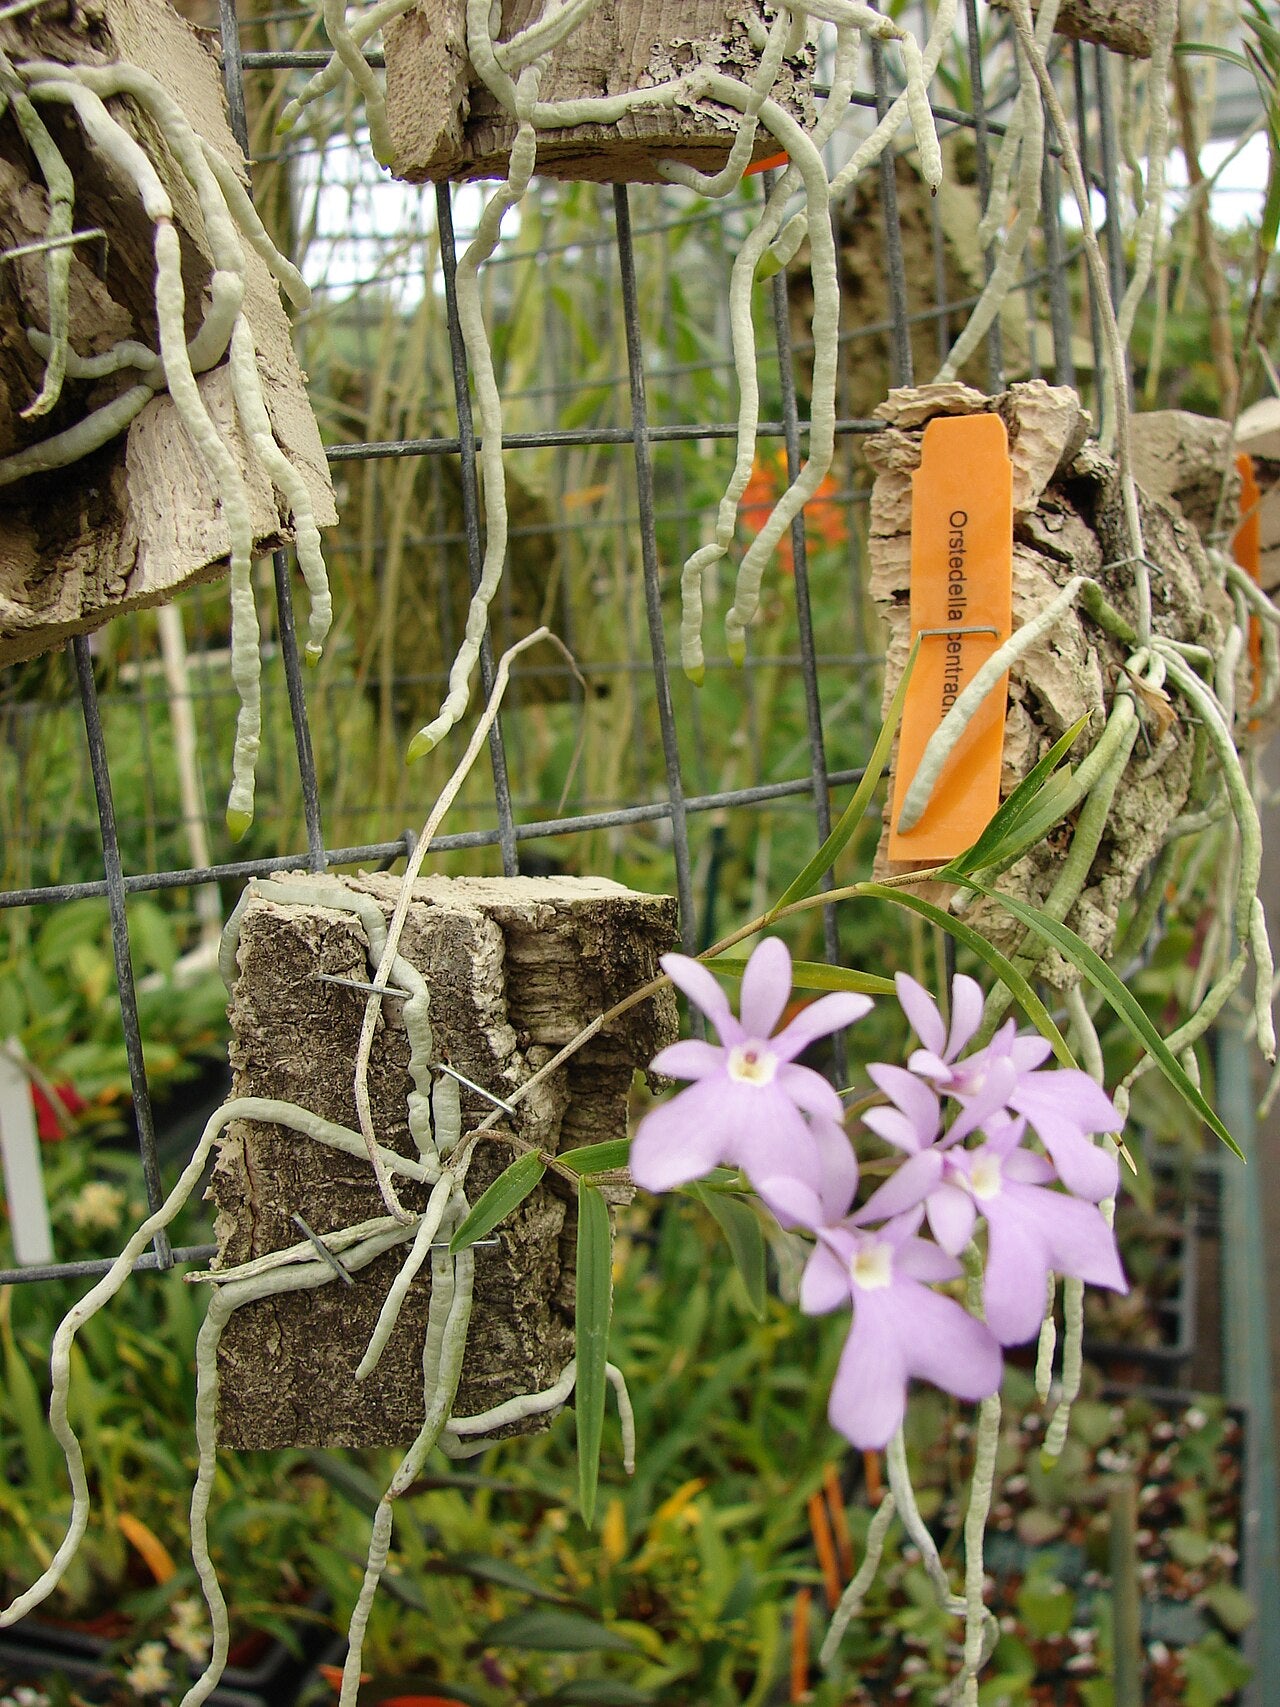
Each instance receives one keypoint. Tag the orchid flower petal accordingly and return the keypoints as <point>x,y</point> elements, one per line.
<point>944,1344</point>
<point>681,1140</point>
<point>824,1285</point>
<point>809,1090</point>
<point>688,1060</point>
<point>869,1393</point>
<point>839,1168</point>
<point>967,1003</point>
<point>693,980</point>
<point>921,1260</point>
<point>1083,1166</point>
<point>908,1185</point>
<point>791,1202</point>
<point>892,1125</point>
<point>918,1102</point>
<point>766,987</point>
<point>1013,1294</point>
<point>952,1213</point>
<point>922,1013</point>
<point>819,1019</point>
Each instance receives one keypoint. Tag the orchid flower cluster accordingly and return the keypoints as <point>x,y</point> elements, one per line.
<point>962,1125</point>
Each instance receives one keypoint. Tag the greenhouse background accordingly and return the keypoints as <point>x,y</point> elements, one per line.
<point>710,1573</point>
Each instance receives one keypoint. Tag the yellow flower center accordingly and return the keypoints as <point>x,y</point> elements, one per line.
<point>751,1064</point>
<point>984,1177</point>
<point>872,1266</point>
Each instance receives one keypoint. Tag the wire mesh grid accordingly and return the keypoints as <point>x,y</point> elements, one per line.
<point>611,340</point>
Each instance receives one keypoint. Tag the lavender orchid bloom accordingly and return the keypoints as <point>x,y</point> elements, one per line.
<point>900,1327</point>
<point>1031,1230</point>
<point>1064,1106</point>
<point>747,1104</point>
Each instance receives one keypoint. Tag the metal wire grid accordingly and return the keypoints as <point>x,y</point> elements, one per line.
<point>678,802</point>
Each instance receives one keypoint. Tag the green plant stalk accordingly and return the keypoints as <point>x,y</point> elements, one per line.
<point>1126,1596</point>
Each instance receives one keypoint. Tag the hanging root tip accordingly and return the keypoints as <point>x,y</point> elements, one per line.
<point>313,652</point>
<point>696,673</point>
<point>420,746</point>
<point>736,644</point>
<point>238,822</point>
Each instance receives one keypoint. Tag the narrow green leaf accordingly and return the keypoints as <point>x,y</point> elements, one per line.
<point>483,1568</point>
<point>811,975</point>
<point>506,1193</point>
<point>741,1229</point>
<point>1003,968</point>
<point>1211,51</point>
<point>1055,800</point>
<point>597,1158</point>
<point>591,1334</point>
<point>1013,812</point>
<point>854,812</point>
<point>554,1632</point>
<point>1127,1009</point>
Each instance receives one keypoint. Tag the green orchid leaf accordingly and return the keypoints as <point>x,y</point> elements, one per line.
<point>1026,804</point>
<point>591,1333</point>
<point>597,1158</point>
<point>843,831</point>
<point>811,975</point>
<point>741,1228</point>
<point>1003,968</point>
<point>1122,1003</point>
<point>506,1193</point>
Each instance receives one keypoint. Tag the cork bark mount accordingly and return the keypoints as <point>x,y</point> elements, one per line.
<point>131,522</point>
<point>516,968</point>
<point>444,123</point>
<point>1068,520</point>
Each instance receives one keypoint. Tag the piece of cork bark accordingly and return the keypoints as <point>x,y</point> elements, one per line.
<point>1125,26</point>
<point>136,520</point>
<point>516,968</point>
<point>445,124</point>
<point>1068,519</point>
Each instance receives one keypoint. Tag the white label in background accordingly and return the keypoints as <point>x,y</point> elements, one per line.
<point>23,1172</point>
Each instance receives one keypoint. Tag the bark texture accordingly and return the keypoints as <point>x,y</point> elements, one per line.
<point>445,123</point>
<point>516,967</point>
<point>136,520</point>
<point>1067,520</point>
<point>1125,26</point>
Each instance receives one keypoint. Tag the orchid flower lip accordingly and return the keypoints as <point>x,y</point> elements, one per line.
<point>751,1063</point>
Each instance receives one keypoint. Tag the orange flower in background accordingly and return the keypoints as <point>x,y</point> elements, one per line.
<point>825,522</point>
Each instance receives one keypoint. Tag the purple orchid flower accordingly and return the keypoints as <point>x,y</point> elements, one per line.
<point>1031,1230</point>
<point>1064,1106</point>
<point>901,1328</point>
<point>749,1098</point>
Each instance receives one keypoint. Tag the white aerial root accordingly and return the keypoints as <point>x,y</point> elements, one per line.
<point>1025,138</point>
<point>227,212</point>
<point>942,743</point>
<point>61,191</point>
<point>1149,221</point>
<point>853,1596</point>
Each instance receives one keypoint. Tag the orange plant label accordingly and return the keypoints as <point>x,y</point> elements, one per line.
<point>961,603</point>
<point>1246,548</point>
